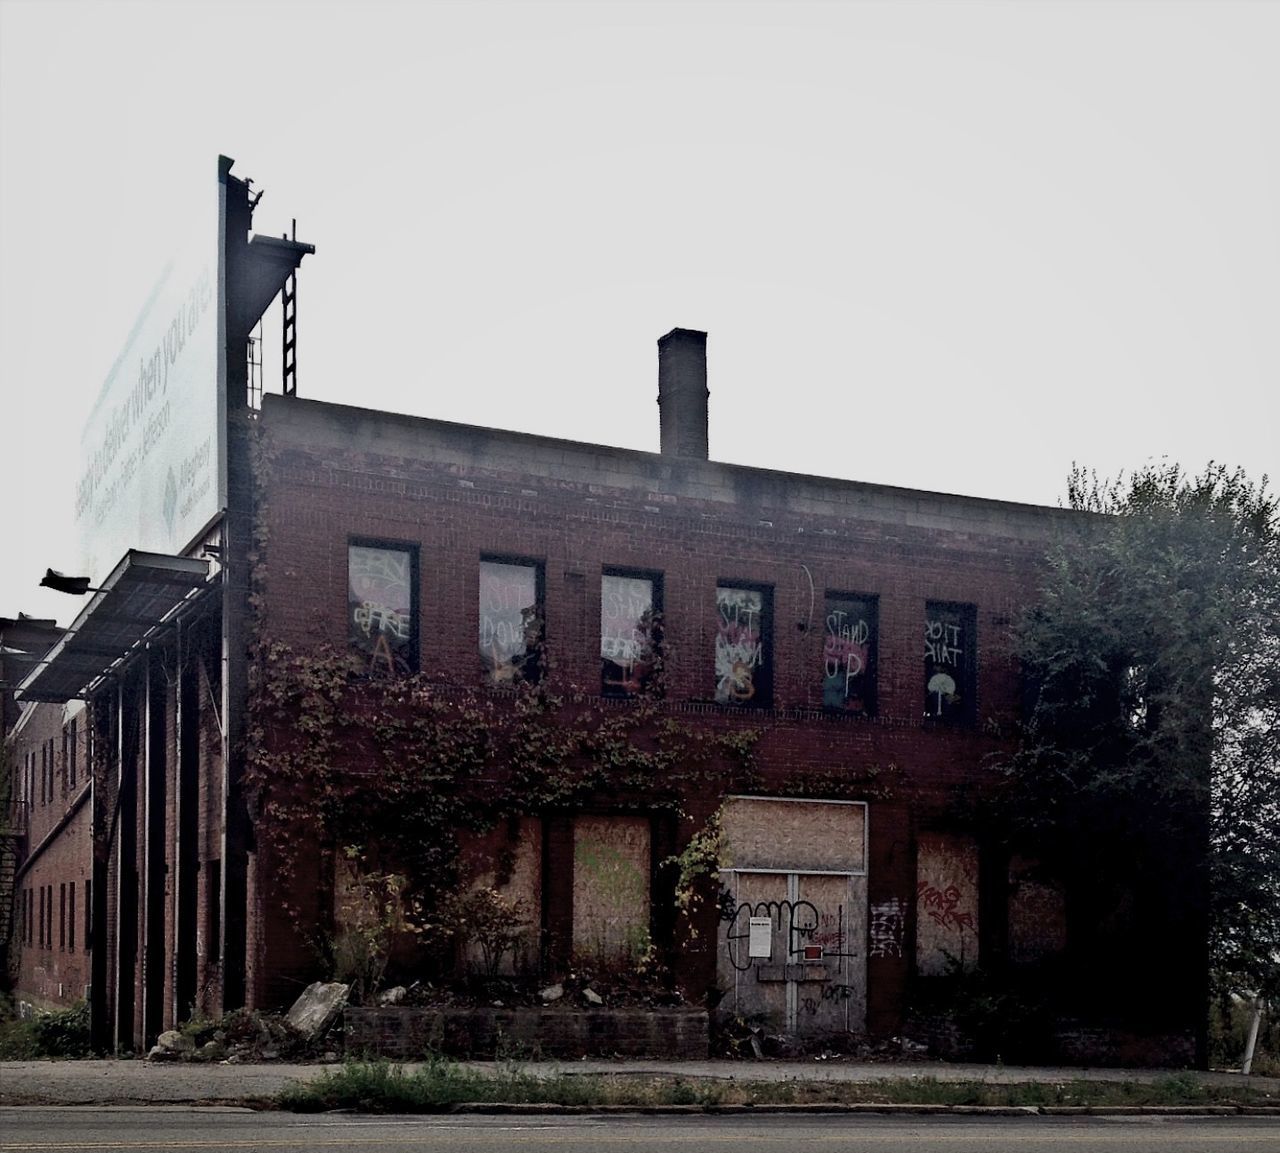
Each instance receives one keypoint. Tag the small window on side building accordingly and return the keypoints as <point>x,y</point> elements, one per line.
<point>950,662</point>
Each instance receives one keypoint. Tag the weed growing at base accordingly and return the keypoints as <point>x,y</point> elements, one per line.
<point>438,1084</point>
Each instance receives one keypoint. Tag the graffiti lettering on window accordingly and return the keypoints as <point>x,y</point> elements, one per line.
<point>627,634</point>
<point>742,657</point>
<point>510,621</point>
<point>949,662</point>
<point>849,654</point>
<point>380,607</point>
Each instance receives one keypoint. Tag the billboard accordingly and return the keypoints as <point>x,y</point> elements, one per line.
<point>152,452</point>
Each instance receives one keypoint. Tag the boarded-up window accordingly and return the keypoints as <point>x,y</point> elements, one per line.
<point>950,662</point>
<point>946,903</point>
<point>381,607</point>
<point>628,636</point>
<point>1037,914</point>
<point>770,833</point>
<point>510,620</point>
<point>744,671</point>
<point>510,865</point>
<point>611,860</point>
<point>849,654</point>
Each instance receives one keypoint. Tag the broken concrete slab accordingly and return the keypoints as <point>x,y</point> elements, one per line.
<point>174,1042</point>
<point>313,1012</point>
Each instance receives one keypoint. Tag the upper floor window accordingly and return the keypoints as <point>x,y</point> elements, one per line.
<point>950,662</point>
<point>849,653</point>
<point>382,606</point>
<point>511,595</point>
<point>629,607</point>
<point>744,660</point>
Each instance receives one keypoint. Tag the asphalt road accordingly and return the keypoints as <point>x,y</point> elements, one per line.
<point>224,1130</point>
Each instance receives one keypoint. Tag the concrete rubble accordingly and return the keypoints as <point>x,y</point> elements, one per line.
<point>318,1007</point>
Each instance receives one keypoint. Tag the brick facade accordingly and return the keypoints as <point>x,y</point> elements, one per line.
<point>48,946</point>
<point>453,496</point>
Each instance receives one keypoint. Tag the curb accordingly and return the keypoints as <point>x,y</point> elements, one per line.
<point>548,1109</point>
<point>500,1108</point>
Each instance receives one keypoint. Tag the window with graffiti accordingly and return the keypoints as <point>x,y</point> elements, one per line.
<point>629,632</point>
<point>510,621</point>
<point>950,662</point>
<point>849,653</point>
<point>382,617</point>
<point>743,658</point>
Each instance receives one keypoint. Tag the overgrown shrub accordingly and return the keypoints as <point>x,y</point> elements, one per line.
<point>59,1033</point>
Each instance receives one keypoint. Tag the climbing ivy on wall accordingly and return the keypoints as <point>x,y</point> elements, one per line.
<point>405,768</point>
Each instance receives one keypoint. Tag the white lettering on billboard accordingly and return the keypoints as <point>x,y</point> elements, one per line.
<point>150,462</point>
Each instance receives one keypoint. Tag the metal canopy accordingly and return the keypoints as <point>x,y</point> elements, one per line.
<point>142,592</point>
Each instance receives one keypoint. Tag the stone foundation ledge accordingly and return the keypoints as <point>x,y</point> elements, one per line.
<point>407,1034</point>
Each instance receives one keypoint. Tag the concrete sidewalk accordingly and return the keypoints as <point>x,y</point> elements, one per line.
<point>173,1083</point>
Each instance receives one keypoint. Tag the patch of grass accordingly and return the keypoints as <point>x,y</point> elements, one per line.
<point>60,1033</point>
<point>439,1084</point>
<point>1177,1089</point>
<point>383,1087</point>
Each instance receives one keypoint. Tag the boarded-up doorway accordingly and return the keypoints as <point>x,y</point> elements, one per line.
<point>611,866</point>
<point>794,947</point>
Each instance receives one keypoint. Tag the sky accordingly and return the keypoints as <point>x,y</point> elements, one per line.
<point>950,246</point>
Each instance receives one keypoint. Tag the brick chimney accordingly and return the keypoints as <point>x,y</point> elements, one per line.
<point>682,393</point>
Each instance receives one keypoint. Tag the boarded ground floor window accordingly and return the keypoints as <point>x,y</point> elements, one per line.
<point>946,903</point>
<point>792,948</point>
<point>1037,914</point>
<point>611,888</point>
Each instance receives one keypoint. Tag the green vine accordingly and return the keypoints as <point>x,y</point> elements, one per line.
<point>400,772</point>
<point>405,768</point>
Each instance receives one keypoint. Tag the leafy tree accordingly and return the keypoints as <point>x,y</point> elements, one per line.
<point>1148,777</point>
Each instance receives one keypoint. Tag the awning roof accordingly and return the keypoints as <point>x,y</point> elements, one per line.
<point>142,592</point>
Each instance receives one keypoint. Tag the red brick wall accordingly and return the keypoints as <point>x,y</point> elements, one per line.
<point>51,974</point>
<point>460,493</point>
<point>54,973</point>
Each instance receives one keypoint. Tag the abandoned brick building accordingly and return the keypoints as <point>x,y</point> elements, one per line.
<point>853,635</point>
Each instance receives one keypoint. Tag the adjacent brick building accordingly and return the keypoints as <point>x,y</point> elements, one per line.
<point>45,887</point>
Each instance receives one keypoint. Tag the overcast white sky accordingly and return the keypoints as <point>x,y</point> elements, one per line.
<point>950,246</point>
